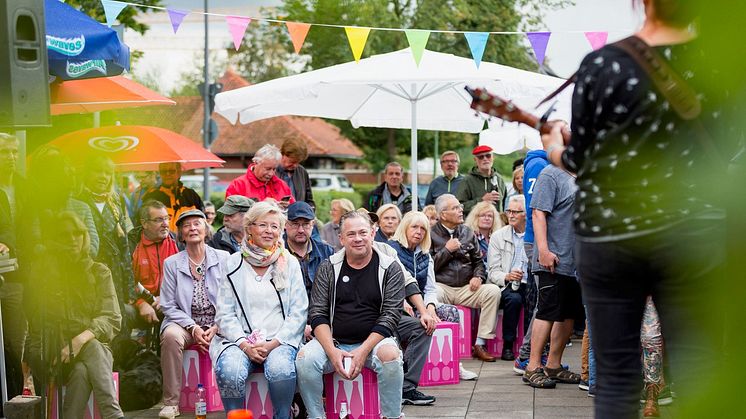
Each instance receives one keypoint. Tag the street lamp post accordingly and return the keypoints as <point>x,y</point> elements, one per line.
<point>206,100</point>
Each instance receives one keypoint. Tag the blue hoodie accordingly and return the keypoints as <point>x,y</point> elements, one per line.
<point>533,164</point>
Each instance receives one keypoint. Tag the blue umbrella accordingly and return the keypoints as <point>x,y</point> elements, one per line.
<point>80,47</point>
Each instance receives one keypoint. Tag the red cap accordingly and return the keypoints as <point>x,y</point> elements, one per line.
<point>481,149</point>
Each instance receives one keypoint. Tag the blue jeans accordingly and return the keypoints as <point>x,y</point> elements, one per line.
<point>233,367</point>
<point>312,363</point>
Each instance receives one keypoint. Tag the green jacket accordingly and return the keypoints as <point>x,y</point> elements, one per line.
<point>474,186</point>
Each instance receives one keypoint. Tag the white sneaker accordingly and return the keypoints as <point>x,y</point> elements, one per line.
<point>465,374</point>
<point>169,412</point>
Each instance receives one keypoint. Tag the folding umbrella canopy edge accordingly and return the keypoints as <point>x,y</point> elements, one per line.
<point>100,94</point>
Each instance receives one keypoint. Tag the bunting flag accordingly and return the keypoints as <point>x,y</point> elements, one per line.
<point>298,32</point>
<point>112,9</point>
<point>237,26</point>
<point>597,39</point>
<point>357,37</point>
<point>477,43</point>
<point>176,16</point>
<point>417,41</point>
<point>539,41</point>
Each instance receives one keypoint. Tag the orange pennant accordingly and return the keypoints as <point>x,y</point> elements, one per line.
<point>298,32</point>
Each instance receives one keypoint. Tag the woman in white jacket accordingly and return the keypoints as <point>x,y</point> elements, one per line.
<point>262,309</point>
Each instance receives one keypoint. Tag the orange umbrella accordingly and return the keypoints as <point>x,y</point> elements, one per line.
<point>101,94</point>
<point>135,147</point>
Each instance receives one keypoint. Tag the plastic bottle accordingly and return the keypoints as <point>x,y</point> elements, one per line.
<point>200,406</point>
<point>343,414</point>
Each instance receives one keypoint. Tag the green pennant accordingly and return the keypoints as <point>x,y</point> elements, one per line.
<point>417,41</point>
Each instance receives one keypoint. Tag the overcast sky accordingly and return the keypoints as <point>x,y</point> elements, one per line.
<point>566,48</point>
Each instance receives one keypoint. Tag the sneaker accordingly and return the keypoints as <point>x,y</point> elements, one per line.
<point>169,412</point>
<point>416,398</point>
<point>583,385</point>
<point>465,374</point>
<point>519,366</point>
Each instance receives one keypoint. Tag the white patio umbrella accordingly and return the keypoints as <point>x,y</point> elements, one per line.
<point>388,91</point>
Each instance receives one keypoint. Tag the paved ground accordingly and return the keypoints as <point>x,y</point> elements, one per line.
<point>498,393</point>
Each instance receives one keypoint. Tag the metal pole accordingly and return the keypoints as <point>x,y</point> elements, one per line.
<point>436,154</point>
<point>206,124</point>
<point>413,169</point>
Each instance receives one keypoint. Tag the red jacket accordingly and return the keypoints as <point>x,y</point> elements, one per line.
<point>147,262</point>
<point>251,187</point>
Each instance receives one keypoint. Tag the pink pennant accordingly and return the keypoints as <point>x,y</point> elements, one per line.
<point>597,39</point>
<point>237,26</point>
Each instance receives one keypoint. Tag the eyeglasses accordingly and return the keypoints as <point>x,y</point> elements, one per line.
<point>513,212</point>
<point>264,227</point>
<point>449,161</point>
<point>296,225</point>
<point>459,207</point>
<point>159,220</point>
<point>484,156</point>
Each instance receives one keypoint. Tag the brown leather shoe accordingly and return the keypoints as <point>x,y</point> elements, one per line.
<point>650,410</point>
<point>480,352</point>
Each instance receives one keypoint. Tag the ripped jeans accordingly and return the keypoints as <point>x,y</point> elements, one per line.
<point>232,370</point>
<point>312,363</point>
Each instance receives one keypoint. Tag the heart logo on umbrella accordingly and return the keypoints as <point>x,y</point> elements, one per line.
<point>113,145</point>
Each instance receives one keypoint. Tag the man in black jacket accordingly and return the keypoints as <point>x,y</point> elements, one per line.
<point>460,271</point>
<point>354,312</point>
<point>391,191</point>
<point>229,236</point>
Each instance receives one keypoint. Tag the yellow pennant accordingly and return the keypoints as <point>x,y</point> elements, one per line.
<point>357,38</point>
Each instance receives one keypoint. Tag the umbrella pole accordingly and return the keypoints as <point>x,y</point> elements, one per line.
<point>413,165</point>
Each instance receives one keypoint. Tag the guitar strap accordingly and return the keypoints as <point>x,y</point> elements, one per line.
<point>682,98</point>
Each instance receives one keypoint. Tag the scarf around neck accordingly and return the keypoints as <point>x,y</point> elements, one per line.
<point>261,257</point>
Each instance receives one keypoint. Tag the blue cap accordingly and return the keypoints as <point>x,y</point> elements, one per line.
<point>300,209</point>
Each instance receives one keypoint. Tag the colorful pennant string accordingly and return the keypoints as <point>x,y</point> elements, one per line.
<point>237,26</point>
<point>539,41</point>
<point>477,43</point>
<point>417,41</point>
<point>112,9</point>
<point>597,39</point>
<point>176,16</point>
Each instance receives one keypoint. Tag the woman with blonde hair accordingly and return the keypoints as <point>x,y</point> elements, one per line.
<point>330,232</point>
<point>412,244</point>
<point>484,220</point>
<point>431,213</point>
<point>389,217</point>
<point>261,313</point>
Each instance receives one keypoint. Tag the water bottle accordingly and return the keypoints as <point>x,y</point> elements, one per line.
<point>515,285</point>
<point>200,406</point>
<point>343,414</point>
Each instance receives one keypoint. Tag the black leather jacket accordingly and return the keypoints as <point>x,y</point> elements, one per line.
<point>458,268</point>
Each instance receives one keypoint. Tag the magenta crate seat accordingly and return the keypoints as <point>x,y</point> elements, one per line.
<point>442,367</point>
<point>360,394</point>
<point>464,336</point>
<point>257,395</point>
<point>91,411</point>
<point>196,369</point>
<point>495,346</point>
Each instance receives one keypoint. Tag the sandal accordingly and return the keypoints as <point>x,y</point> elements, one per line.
<point>562,375</point>
<point>537,379</point>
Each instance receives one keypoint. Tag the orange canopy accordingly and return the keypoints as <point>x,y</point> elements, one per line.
<point>101,94</point>
<point>135,147</point>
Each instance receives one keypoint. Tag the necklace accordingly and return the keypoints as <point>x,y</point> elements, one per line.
<point>199,268</point>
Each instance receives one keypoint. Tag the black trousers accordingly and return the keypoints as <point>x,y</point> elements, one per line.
<point>678,267</point>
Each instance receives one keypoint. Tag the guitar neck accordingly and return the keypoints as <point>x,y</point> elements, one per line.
<point>485,102</point>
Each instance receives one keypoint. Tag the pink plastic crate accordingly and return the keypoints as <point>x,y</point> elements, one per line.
<point>464,336</point>
<point>360,394</point>
<point>441,367</point>
<point>91,411</point>
<point>495,346</point>
<point>257,395</point>
<point>197,368</point>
